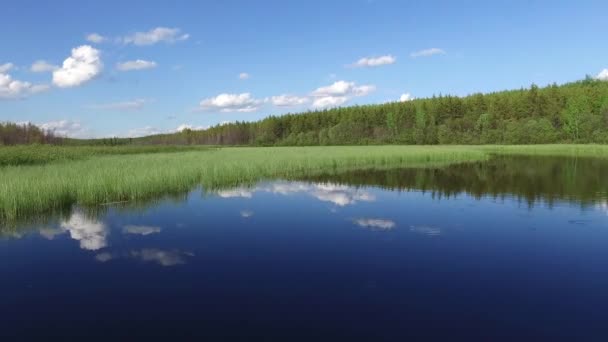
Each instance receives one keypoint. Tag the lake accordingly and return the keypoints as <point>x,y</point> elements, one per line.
<point>515,248</point>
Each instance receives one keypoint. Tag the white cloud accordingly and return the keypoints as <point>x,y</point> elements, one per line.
<point>82,66</point>
<point>190,127</point>
<point>65,128</point>
<point>96,38</point>
<point>376,224</point>
<point>6,67</point>
<point>43,66</point>
<point>91,234</point>
<point>143,131</point>
<point>329,101</point>
<point>288,100</point>
<point>15,89</point>
<point>406,97</point>
<point>339,93</point>
<point>244,76</point>
<point>231,103</point>
<point>161,257</point>
<point>603,75</point>
<point>139,64</point>
<point>140,230</point>
<point>136,104</point>
<point>149,130</point>
<point>374,61</point>
<point>426,230</point>
<point>427,52</point>
<point>156,35</point>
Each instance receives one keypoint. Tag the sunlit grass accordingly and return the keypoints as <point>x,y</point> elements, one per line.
<point>93,176</point>
<point>34,190</point>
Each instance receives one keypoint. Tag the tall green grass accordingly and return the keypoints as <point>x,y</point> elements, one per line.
<point>43,154</point>
<point>555,150</point>
<point>97,175</point>
<point>34,190</point>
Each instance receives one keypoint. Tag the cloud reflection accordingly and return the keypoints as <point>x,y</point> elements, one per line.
<point>339,195</point>
<point>91,234</point>
<point>603,207</point>
<point>235,193</point>
<point>326,192</point>
<point>161,257</point>
<point>375,224</point>
<point>426,230</point>
<point>140,230</point>
<point>246,213</point>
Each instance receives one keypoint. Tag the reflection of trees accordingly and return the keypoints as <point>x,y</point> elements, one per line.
<point>531,179</point>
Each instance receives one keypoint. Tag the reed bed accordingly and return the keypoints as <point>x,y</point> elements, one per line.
<point>27,190</point>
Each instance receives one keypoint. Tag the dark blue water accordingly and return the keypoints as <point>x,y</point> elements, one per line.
<point>312,261</point>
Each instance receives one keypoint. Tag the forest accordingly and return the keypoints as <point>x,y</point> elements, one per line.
<point>575,112</point>
<point>20,134</point>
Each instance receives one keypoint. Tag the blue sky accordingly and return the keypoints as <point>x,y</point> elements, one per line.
<point>155,66</point>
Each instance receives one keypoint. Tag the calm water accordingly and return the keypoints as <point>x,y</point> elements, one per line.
<point>511,249</point>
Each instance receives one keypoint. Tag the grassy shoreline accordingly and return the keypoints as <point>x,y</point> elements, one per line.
<point>93,179</point>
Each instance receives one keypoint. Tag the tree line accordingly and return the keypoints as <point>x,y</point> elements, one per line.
<point>575,112</point>
<point>18,134</point>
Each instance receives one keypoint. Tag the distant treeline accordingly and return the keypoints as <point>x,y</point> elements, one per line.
<point>18,134</point>
<point>571,113</point>
<point>575,112</point>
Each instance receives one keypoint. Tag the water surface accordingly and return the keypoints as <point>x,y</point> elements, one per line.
<point>510,249</point>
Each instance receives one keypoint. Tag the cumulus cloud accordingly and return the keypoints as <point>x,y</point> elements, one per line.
<point>143,132</point>
<point>182,127</point>
<point>374,61</point>
<point>43,66</point>
<point>91,234</point>
<point>138,64</point>
<point>96,38</point>
<point>140,230</point>
<point>161,257</point>
<point>329,101</point>
<point>375,224</point>
<point>66,128</point>
<point>82,66</point>
<point>603,75</point>
<point>136,104</point>
<point>149,130</point>
<point>156,35</point>
<point>427,52</point>
<point>406,97</point>
<point>339,93</point>
<point>15,89</point>
<point>231,103</point>
<point>6,67</point>
<point>244,76</point>
<point>287,100</point>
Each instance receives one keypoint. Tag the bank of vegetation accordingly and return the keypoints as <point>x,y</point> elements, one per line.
<point>571,113</point>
